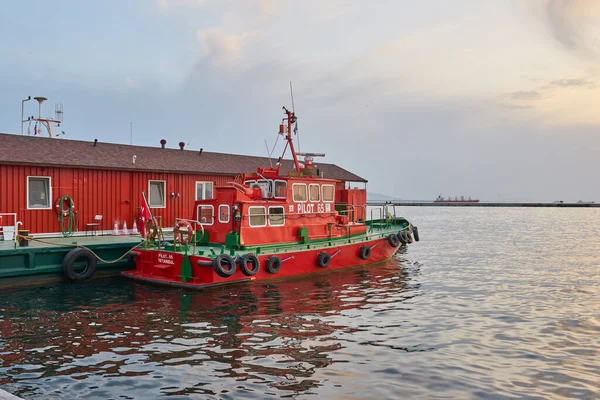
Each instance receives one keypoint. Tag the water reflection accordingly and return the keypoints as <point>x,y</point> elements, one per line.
<point>114,337</point>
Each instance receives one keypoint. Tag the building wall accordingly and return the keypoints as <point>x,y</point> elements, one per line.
<point>117,195</point>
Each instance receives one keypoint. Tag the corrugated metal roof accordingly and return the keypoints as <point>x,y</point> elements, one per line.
<point>31,150</point>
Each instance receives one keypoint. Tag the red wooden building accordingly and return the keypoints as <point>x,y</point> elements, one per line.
<point>107,179</point>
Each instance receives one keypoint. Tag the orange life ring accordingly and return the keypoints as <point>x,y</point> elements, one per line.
<point>183,232</point>
<point>59,205</point>
<point>150,230</point>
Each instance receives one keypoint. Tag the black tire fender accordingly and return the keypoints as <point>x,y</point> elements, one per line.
<point>249,260</point>
<point>68,266</point>
<point>416,233</point>
<point>401,237</point>
<point>364,252</point>
<point>409,238</point>
<point>221,264</point>
<point>273,264</point>
<point>393,240</point>
<point>323,260</point>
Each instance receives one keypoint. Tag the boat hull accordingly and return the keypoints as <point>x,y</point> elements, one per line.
<point>164,268</point>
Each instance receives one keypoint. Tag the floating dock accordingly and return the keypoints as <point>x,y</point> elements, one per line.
<point>481,204</point>
<point>47,258</point>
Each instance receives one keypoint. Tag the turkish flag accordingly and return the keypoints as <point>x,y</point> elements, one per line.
<point>144,214</point>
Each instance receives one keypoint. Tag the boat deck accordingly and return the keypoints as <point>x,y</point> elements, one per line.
<point>46,257</point>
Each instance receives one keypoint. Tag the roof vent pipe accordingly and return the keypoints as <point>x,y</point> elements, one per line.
<point>200,152</point>
<point>95,141</point>
<point>181,145</point>
<point>163,143</point>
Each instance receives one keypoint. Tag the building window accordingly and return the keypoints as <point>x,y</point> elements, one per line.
<point>276,216</point>
<point>156,191</point>
<point>204,190</point>
<point>223,213</point>
<point>299,192</point>
<point>314,192</point>
<point>39,192</point>
<point>280,189</point>
<point>206,214</point>
<point>328,192</point>
<point>257,216</point>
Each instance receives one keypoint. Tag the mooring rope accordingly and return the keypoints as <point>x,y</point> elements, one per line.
<point>32,239</point>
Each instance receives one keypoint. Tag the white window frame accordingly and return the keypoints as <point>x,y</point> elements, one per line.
<point>204,190</point>
<point>212,213</point>
<point>323,197</point>
<point>275,190</point>
<point>49,193</point>
<point>164,194</point>
<point>282,214</point>
<point>228,213</point>
<point>249,217</point>
<point>305,191</point>
<point>249,182</point>
<point>319,199</point>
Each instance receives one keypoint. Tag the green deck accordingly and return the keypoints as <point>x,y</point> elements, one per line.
<point>41,259</point>
<point>375,230</point>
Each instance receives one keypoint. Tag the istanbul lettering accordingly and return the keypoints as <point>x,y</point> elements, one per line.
<point>166,258</point>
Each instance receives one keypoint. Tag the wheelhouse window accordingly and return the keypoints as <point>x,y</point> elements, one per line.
<point>328,192</point>
<point>249,183</point>
<point>314,192</point>
<point>156,194</point>
<point>204,190</point>
<point>299,192</point>
<point>266,188</point>
<point>206,214</point>
<point>276,216</point>
<point>280,189</point>
<point>257,216</point>
<point>39,192</point>
<point>223,213</point>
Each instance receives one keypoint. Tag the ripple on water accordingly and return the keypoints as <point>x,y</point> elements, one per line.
<point>501,310</point>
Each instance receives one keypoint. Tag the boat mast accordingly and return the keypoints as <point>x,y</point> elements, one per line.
<point>291,119</point>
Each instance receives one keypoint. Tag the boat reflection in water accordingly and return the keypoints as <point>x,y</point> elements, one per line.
<point>121,337</point>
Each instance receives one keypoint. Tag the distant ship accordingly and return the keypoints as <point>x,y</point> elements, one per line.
<point>441,199</point>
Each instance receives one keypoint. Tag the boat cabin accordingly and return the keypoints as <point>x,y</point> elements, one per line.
<point>268,208</point>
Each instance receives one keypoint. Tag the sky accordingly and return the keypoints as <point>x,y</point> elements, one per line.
<point>491,99</point>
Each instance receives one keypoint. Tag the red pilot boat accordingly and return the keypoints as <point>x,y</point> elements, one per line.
<point>269,224</point>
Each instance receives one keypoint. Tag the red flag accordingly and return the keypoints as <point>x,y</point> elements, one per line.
<point>144,214</point>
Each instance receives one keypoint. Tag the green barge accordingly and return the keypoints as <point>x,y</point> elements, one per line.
<point>46,259</point>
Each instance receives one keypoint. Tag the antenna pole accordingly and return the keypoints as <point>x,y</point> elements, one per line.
<point>23,112</point>
<point>131,133</point>
<point>294,111</point>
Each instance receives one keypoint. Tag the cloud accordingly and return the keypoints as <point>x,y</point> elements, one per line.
<point>576,83</point>
<point>574,24</point>
<point>525,95</point>
<point>221,47</point>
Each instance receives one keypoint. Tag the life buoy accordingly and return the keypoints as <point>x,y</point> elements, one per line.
<point>393,240</point>
<point>273,264</point>
<point>60,202</point>
<point>249,264</point>
<point>73,261</point>
<point>224,265</point>
<point>401,237</point>
<point>364,252</point>
<point>183,232</point>
<point>416,233</point>
<point>323,260</point>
